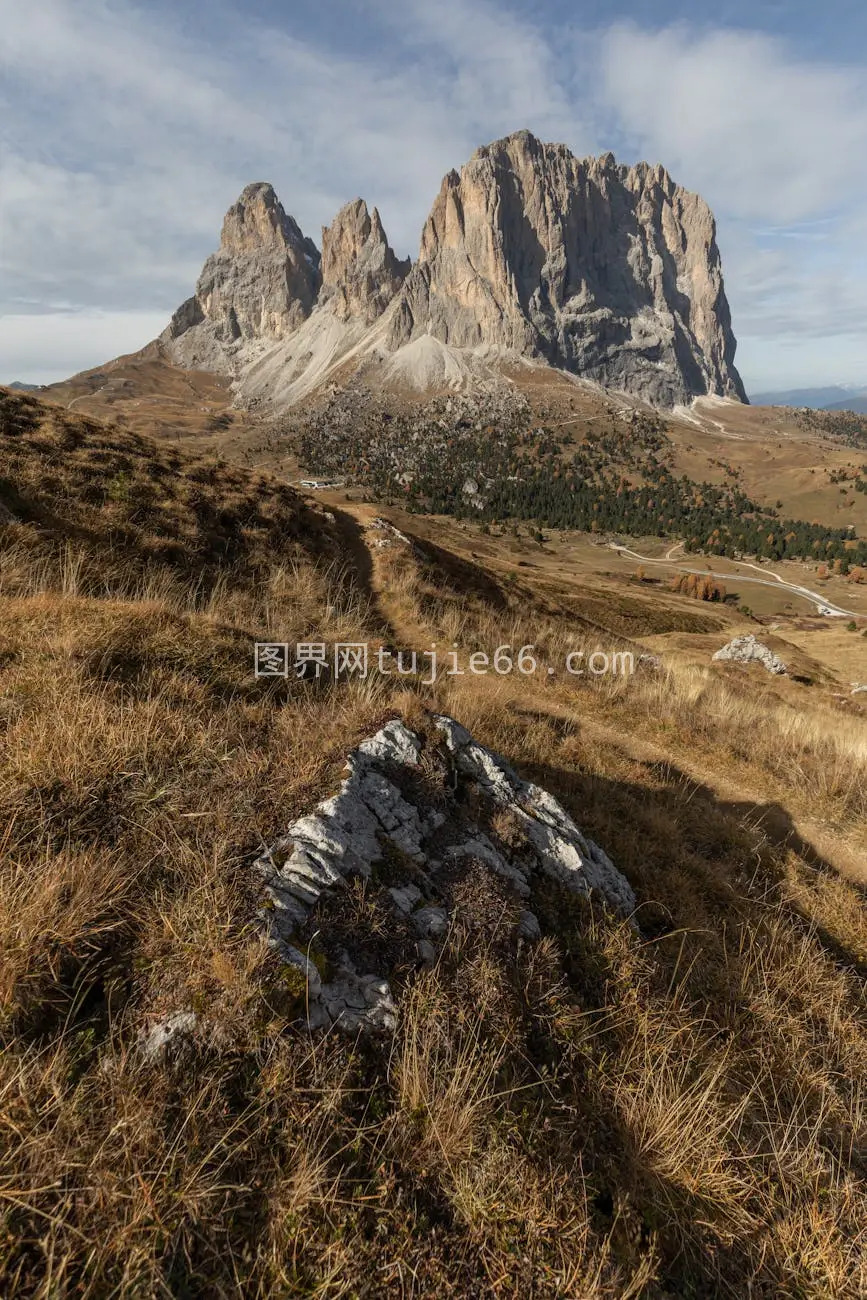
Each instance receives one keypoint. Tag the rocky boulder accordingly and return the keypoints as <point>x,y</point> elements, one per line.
<point>382,828</point>
<point>747,649</point>
<point>169,1038</point>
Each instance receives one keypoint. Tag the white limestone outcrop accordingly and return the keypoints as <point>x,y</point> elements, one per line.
<point>371,818</point>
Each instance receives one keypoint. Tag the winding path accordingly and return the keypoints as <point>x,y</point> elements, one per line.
<point>823,605</point>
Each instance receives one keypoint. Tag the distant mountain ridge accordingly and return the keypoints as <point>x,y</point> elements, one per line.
<point>530,256</point>
<point>835,397</point>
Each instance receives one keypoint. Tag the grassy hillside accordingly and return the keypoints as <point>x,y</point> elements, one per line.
<point>146,393</point>
<point>670,1111</point>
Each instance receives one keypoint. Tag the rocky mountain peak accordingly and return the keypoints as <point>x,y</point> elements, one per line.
<point>257,221</point>
<point>262,283</point>
<point>360,272</point>
<point>609,271</point>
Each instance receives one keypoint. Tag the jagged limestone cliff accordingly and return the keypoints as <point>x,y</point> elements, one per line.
<point>261,283</point>
<point>609,272</point>
<point>360,273</point>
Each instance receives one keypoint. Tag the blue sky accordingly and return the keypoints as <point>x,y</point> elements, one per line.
<point>127,129</point>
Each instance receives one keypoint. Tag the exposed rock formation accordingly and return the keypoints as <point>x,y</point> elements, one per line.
<point>611,272</point>
<point>747,649</point>
<point>377,816</point>
<point>261,284</point>
<point>360,273</point>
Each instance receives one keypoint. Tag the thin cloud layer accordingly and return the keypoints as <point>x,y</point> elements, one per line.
<point>30,343</point>
<point>127,135</point>
<point>771,141</point>
<point>765,136</point>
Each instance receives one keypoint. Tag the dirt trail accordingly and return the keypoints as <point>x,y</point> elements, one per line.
<point>823,605</point>
<point>359,535</point>
<point>351,524</point>
<point>83,397</point>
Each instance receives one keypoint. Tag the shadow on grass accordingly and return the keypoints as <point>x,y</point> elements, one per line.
<point>709,876</point>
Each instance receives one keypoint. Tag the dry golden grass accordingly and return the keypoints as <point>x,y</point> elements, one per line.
<point>810,753</point>
<point>603,1114</point>
<point>144,392</point>
<point>445,1081</point>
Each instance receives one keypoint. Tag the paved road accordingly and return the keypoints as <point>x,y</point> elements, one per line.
<point>823,605</point>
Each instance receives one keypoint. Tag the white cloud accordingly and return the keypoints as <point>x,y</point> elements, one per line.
<point>125,139</point>
<point>786,287</point>
<point>40,349</point>
<point>772,142</point>
<point>137,141</point>
<point>445,80</point>
<point>735,115</point>
<point>498,72</point>
<point>773,364</point>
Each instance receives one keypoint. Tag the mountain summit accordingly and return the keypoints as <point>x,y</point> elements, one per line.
<point>611,273</point>
<point>360,273</point>
<point>262,283</point>
<point>607,271</point>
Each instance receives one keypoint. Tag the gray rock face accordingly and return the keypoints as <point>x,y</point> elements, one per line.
<point>561,851</point>
<point>262,283</point>
<point>528,927</point>
<point>349,834</point>
<point>360,273</point>
<point>431,922</point>
<point>608,271</point>
<point>747,649</point>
